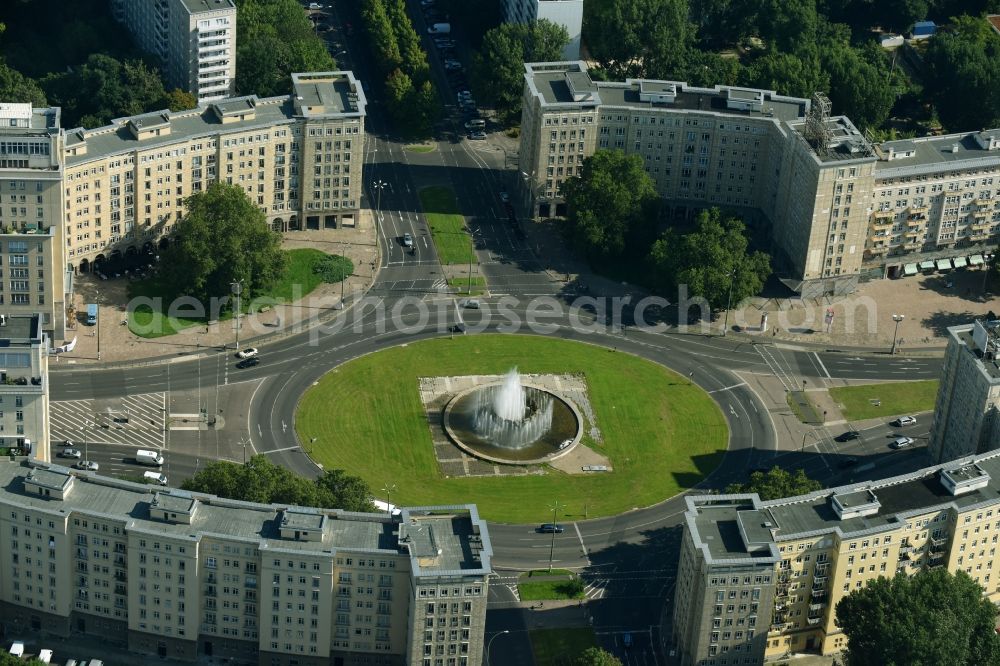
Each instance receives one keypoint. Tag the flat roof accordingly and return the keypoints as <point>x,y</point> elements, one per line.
<point>439,539</point>
<point>328,93</point>
<point>719,524</point>
<point>934,153</point>
<point>550,82</point>
<point>23,329</point>
<point>846,141</point>
<point>198,6</point>
<point>964,335</point>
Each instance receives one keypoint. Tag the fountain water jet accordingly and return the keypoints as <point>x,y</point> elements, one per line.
<point>511,422</point>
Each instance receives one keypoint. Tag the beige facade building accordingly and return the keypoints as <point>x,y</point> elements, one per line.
<point>24,384</point>
<point>187,576</point>
<point>70,199</point>
<point>968,402</point>
<point>818,183</point>
<point>762,579</point>
<point>33,277</point>
<point>194,39</point>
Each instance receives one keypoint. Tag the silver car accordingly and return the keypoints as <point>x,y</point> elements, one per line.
<point>70,453</point>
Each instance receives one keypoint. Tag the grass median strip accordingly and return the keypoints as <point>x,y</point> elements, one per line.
<point>871,401</point>
<point>454,246</point>
<point>541,590</point>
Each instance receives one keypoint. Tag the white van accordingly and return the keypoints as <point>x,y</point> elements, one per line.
<point>151,458</point>
<point>155,477</point>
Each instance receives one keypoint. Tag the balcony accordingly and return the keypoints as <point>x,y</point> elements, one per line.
<point>915,210</point>
<point>818,592</point>
<point>912,245</point>
<point>817,605</point>
<point>915,218</point>
<point>983,203</point>
<point>779,626</point>
<point>818,580</point>
<point>813,621</point>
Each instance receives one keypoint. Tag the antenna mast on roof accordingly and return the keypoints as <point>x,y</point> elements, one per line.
<point>817,133</point>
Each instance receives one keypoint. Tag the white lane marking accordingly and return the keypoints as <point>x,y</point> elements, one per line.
<point>727,388</point>
<point>820,361</point>
<point>583,546</point>
<point>287,448</point>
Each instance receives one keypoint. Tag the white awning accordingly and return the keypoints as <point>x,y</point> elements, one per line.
<point>976,260</point>
<point>926,265</point>
<point>910,269</point>
<point>944,264</point>
<point>959,262</point>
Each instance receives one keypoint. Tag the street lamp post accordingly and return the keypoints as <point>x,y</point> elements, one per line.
<point>388,489</point>
<point>379,185</point>
<point>490,643</point>
<point>472,254</point>
<point>237,289</point>
<point>729,302</point>
<point>552,542</point>
<point>97,300</point>
<point>896,318</point>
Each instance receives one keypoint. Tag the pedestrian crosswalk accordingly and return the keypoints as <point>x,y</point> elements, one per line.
<point>135,420</point>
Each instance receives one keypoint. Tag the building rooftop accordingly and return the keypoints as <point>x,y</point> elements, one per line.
<point>569,83</point>
<point>437,539</point>
<point>844,141</point>
<point>328,94</point>
<point>982,340</point>
<point>852,510</point>
<point>21,329</point>
<point>198,6</point>
<point>931,154</point>
<point>16,117</point>
<point>319,94</point>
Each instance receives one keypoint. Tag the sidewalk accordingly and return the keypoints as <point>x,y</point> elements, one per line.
<point>118,343</point>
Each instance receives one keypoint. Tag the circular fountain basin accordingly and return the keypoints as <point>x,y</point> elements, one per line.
<point>559,439</point>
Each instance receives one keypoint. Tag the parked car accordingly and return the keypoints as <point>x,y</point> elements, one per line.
<point>315,5</point>
<point>248,363</point>
<point>477,136</point>
<point>550,528</point>
<point>88,465</point>
<point>905,421</point>
<point>70,453</point>
<point>476,124</point>
<point>901,442</point>
<point>627,640</point>
<point>848,462</point>
<point>247,353</point>
<point>847,436</point>
<point>504,197</point>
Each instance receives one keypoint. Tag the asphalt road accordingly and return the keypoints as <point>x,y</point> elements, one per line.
<point>627,560</point>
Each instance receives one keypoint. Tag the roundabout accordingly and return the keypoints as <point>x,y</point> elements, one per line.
<point>660,433</point>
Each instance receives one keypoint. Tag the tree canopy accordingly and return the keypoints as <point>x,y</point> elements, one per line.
<point>262,481</point>
<point>639,38</point>
<point>963,75</point>
<point>612,204</point>
<point>713,260</point>
<point>222,238</point>
<point>932,618</point>
<point>776,483</point>
<point>498,64</point>
<point>274,39</point>
<point>595,656</point>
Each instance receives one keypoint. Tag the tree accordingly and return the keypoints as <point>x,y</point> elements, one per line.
<point>639,38</point>
<point>275,39</point>
<point>339,489</point>
<point>104,88</point>
<point>14,86</point>
<point>776,484</point>
<point>713,260</point>
<point>932,618</point>
<point>498,65</point>
<point>963,75</point>
<point>790,74</point>
<point>860,83</point>
<point>610,203</point>
<point>595,656</point>
<point>222,238</point>
<point>261,481</point>
<point>180,100</point>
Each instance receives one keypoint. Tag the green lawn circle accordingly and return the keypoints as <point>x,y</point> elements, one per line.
<point>661,433</point>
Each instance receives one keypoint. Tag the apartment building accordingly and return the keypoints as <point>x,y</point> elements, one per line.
<point>762,579</point>
<point>33,277</point>
<point>968,399</point>
<point>24,384</point>
<point>936,204</point>
<point>187,576</point>
<point>194,39</point>
<point>70,199</point>
<point>567,13</point>
<point>811,177</point>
